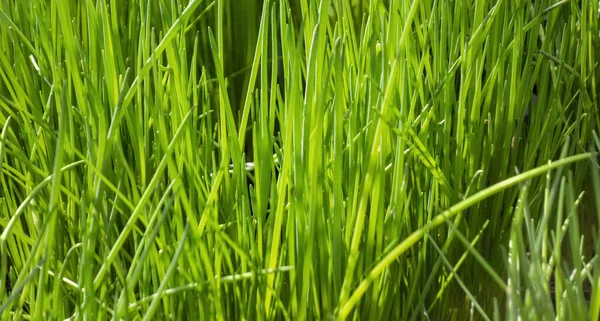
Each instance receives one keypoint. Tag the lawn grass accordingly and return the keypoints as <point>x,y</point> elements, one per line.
<point>294,160</point>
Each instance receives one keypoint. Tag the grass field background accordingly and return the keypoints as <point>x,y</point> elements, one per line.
<point>299,160</point>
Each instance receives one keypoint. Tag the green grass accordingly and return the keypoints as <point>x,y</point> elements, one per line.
<point>294,160</point>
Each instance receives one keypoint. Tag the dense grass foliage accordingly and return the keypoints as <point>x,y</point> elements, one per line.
<point>299,160</point>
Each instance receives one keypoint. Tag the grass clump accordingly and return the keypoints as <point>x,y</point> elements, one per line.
<point>296,160</point>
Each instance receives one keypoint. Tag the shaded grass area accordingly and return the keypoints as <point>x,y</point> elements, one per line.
<point>297,160</point>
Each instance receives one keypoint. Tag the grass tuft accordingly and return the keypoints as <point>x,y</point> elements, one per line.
<point>294,160</point>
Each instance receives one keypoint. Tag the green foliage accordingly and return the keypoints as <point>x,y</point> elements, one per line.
<point>293,160</point>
